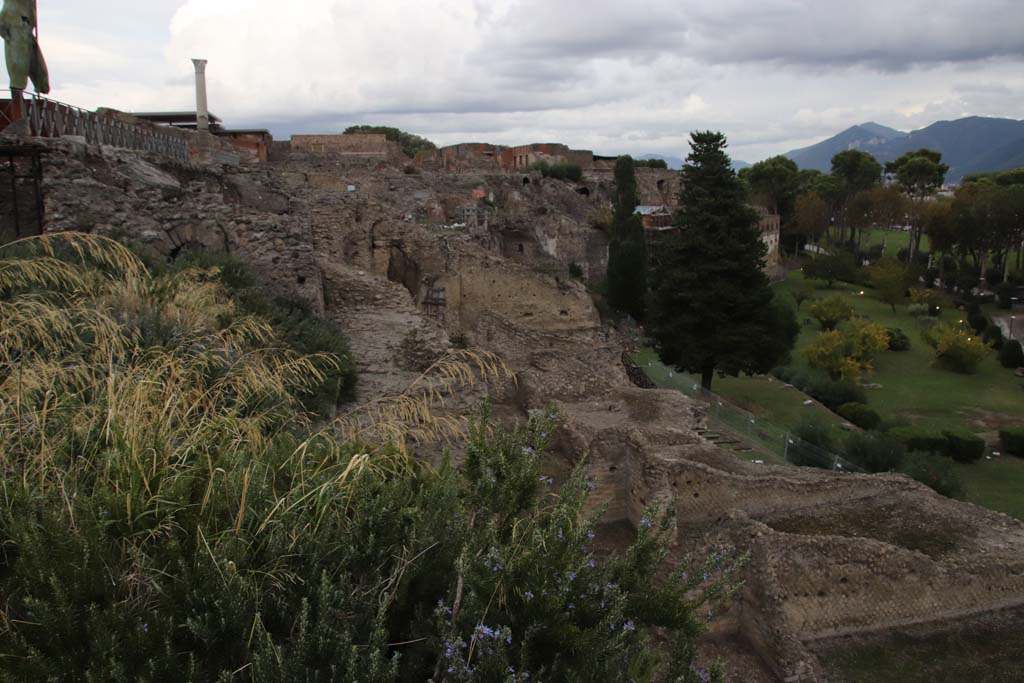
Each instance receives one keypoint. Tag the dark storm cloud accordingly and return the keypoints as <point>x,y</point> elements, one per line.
<point>884,34</point>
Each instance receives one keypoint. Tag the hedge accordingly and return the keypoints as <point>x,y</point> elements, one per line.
<point>919,439</point>
<point>898,339</point>
<point>1012,440</point>
<point>1011,355</point>
<point>964,446</point>
<point>860,415</point>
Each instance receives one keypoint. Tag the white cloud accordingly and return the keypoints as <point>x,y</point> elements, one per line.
<point>611,76</point>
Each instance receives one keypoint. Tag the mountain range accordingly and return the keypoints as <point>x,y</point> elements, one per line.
<point>969,145</point>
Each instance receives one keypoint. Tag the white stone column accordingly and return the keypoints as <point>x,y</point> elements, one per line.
<point>202,113</point>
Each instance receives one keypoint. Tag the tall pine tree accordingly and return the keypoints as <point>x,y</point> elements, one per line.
<point>710,307</point>
<point>627,252</point>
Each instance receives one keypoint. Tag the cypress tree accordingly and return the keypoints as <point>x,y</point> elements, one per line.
<point>627,252</point>
<point>710,307</point>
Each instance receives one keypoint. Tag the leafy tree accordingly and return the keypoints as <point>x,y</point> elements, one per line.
<point>410,144</point>
<point>627,252</point>
<point>710,304</point>
<point>890,279</point>
<point>847,353</point>
<point>831,267</point>
<point>920,174</point>
<point>831,311</point>
<point>774,183</point>
<point>803,291</point>
<point>857,171</point>
<point>810,216</point>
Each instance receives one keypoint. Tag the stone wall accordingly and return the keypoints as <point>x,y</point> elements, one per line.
<point>370,145</point>
<point>167,208</point>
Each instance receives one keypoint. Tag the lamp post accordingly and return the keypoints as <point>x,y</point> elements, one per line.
<point>1012,318</point>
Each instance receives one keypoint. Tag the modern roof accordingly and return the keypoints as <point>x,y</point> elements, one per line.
<point>172,117</point>
<point>647,209</point>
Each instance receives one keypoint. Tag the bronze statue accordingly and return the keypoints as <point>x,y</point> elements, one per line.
<point>19,29</point>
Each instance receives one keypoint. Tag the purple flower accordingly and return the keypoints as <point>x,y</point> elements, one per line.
<point>628,626</point>
<point>591,563</point>
<point>646,522</point>
<point>528,595</point>
<point>590,535</point>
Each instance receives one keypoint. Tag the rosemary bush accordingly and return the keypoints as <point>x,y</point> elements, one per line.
<point>166,513</point>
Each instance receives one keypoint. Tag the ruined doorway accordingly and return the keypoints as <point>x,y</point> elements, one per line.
<point>22,211</point>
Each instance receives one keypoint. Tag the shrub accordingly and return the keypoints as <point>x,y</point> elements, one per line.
<point>963,446</point>
<point>783,373</point>
<point>1004,294</point>
<point>873,452</point>
<point>840,266</point>
<point>576,271</point>
<point>898,339</point>
<point>832,393</point>
<point>938,473</point>
<point>993,336</point>
<point>889,277</point>
<point>410,144</point>
<point>179,518</point>
<point>1011,355</point>
<point>976,319</point>
<point>860,415</point>
<point>559,170</point>
<point>919,439</point>
<point>1012,440</point>
<point>814,439</point>
<point>831,311</point>
<point>957,350</point>
<point>917,310</point>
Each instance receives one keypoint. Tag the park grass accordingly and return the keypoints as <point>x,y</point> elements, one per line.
<point>894,240</point>
<point>763,396</point>
<point>996,484</point>
<point>913,389</point>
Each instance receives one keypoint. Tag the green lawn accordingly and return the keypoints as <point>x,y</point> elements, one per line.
<point>997,484</point>
<point>894,240</point>
<point>912,388</point>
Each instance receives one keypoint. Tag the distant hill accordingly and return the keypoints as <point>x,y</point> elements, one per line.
<point>869,137</point>
<point>970,145</point>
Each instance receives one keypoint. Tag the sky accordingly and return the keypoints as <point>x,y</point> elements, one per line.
<point>633,76</point>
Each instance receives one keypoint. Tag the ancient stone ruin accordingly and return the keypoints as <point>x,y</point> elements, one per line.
<point>470,246</point>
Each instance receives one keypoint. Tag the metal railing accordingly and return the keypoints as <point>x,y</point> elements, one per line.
<point>758,433</point>
<point>51,119</point>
